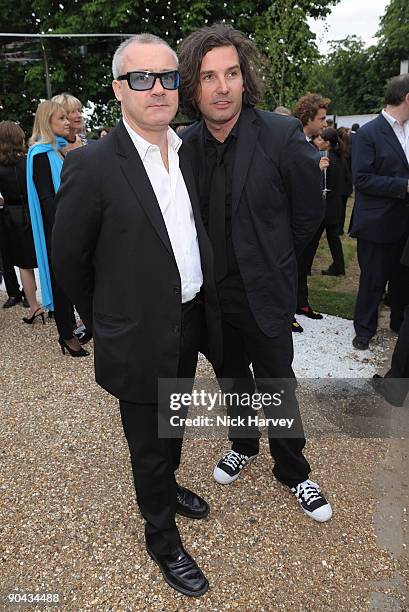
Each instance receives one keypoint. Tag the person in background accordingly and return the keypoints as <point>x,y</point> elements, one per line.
<point>44,164</point>
<point>311,110</point>
<point>73,108</point>
<point>16,236</point>
<point>394,386</point>
<point>103,132</point>
<point>380,168</point>
<point>347,186</point>
<point>334,176</point>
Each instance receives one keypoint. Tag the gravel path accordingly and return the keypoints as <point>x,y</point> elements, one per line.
<point>70,525</point>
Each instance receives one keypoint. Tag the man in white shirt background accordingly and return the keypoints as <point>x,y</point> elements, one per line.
<point>380,167</point>
<point>140,268</point>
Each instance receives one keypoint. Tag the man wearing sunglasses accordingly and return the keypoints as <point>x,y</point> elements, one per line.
<point>137,263</point>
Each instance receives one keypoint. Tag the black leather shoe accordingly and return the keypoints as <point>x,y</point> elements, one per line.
<point>361,343</point>
<point>296,327</point>
<point>332,272</point>
<point>189,504</point>
<point>389,389</point>
<point>12,301</point>
<point>181,572</point>
<point>307,311</point>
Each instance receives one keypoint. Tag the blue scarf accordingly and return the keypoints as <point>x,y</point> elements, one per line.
<point>36,216</point>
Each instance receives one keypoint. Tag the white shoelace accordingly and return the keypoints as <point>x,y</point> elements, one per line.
<point>234,460</point>
<point>308,490</point>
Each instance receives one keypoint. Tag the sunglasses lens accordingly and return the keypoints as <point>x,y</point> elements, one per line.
<point>170,80</point>
<point>139,81</point>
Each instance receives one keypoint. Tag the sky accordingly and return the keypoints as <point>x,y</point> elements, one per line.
<point>360,17</point>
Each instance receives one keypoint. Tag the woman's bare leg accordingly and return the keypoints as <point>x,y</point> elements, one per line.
<point>29,286</point>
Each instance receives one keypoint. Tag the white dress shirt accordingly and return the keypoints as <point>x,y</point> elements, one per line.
<point>401,131</point>
<point>174,202</point>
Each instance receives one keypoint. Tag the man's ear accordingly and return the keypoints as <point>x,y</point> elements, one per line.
<point>116,86</point>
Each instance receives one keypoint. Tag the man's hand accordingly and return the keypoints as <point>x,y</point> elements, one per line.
<point>324,163</point>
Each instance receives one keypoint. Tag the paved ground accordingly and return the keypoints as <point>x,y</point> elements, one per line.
<point>69,522</point>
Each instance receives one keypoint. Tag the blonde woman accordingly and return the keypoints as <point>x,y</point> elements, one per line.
<point>44,164</point>
<point>73,108</point>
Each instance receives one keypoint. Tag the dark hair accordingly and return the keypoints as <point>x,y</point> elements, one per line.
<point>331,135</point>
<point>192,51</point>
<point>345,138</point>
<point>12,143</point>
<point>355,127</point>
<point>307,107</point>
<point>103,129</point>
<point>397,89</point>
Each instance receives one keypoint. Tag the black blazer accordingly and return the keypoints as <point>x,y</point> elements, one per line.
<point>405,255</point>
<point>112,255</point>
<point>381,173</point>
<point>276,208</point>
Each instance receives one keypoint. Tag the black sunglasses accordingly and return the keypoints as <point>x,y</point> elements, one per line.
<point>144,80</point>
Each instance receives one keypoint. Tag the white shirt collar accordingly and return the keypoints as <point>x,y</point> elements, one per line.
<point>143,146</point>
<point>391,120</point>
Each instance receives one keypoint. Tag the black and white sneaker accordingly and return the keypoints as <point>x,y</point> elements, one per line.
<point>229,467</point>
<point>312,501</point>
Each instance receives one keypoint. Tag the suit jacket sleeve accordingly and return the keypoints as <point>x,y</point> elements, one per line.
<point>75,234</point>
<point>367,178</point>
<point>303,183</point>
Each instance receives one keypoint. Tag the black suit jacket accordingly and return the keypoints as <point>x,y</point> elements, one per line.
<point>113,257</point>
<point>276,208</point>
<point>405,255</point>
<point>381,173</point>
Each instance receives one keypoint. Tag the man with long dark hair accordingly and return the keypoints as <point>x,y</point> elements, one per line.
<point>257,177</point>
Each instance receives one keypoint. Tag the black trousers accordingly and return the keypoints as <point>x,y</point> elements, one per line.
<point>343,213</point>
<point>380,263</point>
<point>64,314</point>
<point>304,267</point>
<point>154,460</point>
<point>245,343</point>
<point>335,246</point>
<point>7,266</point>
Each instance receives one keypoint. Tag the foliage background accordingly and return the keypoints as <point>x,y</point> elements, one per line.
<point>351,75</point>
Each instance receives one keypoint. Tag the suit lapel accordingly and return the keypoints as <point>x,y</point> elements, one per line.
<point>392,139</point>
<point>246,142</point>
<point>190,183</point>
<point>135,174</point>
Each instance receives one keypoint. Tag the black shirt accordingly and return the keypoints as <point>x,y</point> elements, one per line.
<point>231,290</point>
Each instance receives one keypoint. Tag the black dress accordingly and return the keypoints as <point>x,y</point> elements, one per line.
<point>63,308</point>
<point>16,234</point>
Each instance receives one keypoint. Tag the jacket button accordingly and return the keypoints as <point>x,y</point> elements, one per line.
<point>176,290</point>
<point>176,329</point>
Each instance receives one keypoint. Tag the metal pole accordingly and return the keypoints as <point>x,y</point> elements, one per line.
<point>47,74</point>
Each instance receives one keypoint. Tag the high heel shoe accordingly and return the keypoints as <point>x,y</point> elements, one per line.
<point>36,313</point>
<point>81,353</point>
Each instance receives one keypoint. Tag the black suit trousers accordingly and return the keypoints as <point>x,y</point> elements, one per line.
<point>154,460</point>
<point>380,263</point>
<point>271,358</point>
<point>7,266</point>
<point>304,267</point>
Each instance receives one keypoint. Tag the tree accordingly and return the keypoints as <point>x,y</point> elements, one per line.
<point>353,76</point>
<point>84,68</point>
<point>343,76</point>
